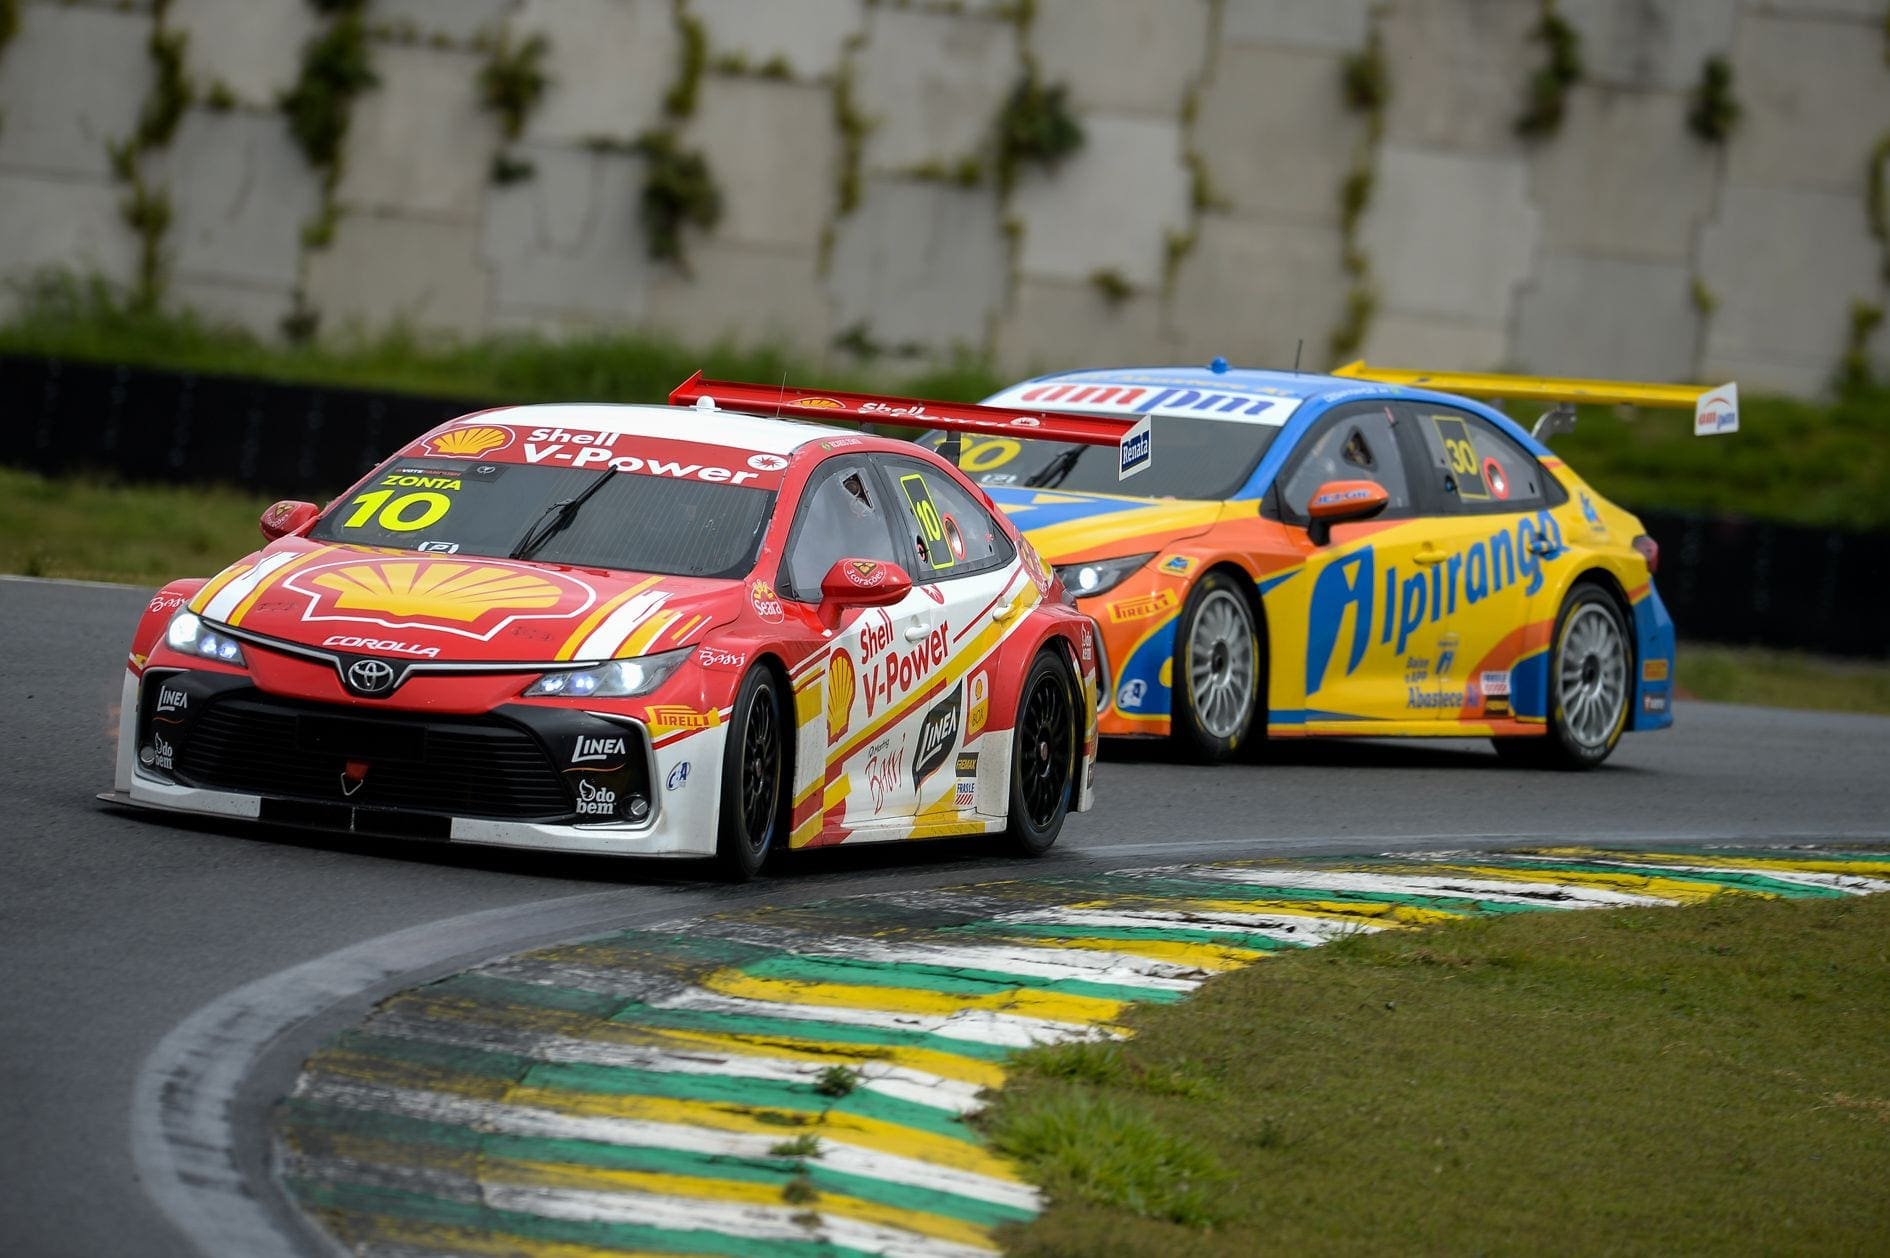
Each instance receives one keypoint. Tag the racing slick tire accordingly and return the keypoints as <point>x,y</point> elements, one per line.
<point>1217,674</point>
<point>1591,683</point>
<point>1044,747</point>
<point>754,779</point>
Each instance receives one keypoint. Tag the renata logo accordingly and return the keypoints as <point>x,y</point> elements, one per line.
<point>348,642</point>
<point>470,599</point>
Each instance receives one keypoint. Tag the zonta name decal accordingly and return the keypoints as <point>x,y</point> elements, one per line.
<point>1469,576</point>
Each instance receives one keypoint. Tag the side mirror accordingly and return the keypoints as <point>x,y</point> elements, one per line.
<point>1338,501</point>
<point>862,583</point>
<point>287,517</point>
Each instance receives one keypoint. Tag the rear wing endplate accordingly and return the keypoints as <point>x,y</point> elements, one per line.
<point>1715,410</point>
<point>1130,436</point>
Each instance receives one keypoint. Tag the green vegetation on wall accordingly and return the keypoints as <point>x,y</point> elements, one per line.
<point>680,101</point>
<point>1547,97</point>
<point>9,22</point>
<point>1036,126</point>
<point>335,69</point>
<point>1365,86</point>
<point>147,210</point>
<point>678,192</point>
<point>1713,112</point>
<point>513,80</point>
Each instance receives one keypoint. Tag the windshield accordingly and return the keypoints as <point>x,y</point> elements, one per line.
<point>628,520</point>
<point>1193,459</point>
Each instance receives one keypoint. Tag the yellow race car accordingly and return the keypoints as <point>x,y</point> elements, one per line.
<point>1367,553</point>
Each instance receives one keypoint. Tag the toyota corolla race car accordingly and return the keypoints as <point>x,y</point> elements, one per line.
<point>1348,554</point>
<point>625,629</point>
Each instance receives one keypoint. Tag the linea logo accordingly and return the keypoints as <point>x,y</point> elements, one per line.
<point>938,735</point>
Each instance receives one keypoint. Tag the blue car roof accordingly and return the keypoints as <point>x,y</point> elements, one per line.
<point>1314,392</point>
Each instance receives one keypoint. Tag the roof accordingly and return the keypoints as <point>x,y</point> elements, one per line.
<point>1239,394</point>
<point>667,423</point>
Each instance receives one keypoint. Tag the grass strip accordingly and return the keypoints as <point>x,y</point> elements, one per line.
<point>1702,1079</point>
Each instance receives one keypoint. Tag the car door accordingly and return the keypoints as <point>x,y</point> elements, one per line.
<point>961,562</point>
<point>1490,498</point>
<point>862,764</point>
<point>1361,603</point>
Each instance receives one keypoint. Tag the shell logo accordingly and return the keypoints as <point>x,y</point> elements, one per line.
<point>440,591</point>
<point>840,683</point>
<point>470,443</point>
<point>818,403</point>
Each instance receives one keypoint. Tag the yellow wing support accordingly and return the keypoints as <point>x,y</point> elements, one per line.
<point>1535,388</point>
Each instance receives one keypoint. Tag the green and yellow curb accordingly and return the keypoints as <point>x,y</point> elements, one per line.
<point>799,1081</point>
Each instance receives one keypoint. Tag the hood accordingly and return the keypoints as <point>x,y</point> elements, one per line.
<point>1070,526</point>
<point>459,607</point>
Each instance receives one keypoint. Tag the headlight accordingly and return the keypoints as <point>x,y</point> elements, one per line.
<point>188,633</point>
<point>619,679</point>
<point>1099,575</point>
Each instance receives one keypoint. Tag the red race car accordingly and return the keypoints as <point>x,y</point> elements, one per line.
<point>643,630</point>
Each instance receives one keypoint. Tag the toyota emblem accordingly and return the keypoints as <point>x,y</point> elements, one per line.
<point>371,677</point>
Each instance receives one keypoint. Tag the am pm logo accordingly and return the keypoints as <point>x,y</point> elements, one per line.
<point>841,681</point>
<point>1717,411</point>
<point>470,443</point>
<point>473,600</point>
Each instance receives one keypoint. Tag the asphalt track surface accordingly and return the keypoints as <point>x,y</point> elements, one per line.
<point>125,939</point>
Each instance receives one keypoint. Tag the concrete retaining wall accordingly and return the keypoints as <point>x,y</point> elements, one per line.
<point>1202,216</point>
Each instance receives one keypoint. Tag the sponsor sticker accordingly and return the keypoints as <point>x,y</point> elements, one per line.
<point>172,699</point>
<point>1132,693</point>
<point>938,735</point>
<point>1135,452</point>
<point>885,771</point>
<point>1144,606</point>
<point>1495,682</point>
<point>587,750</point>
<point>817,403</point>
<point>840,684</point>
<point>965,793</point>
<point>980,711</point>
<point>677,776</point>
<point>767,462</point>
<point>1654,703</point>
<point>1446,654</point>
<point>166,602</point>
<point>469,443</point>
<point>392,646</point>
<point>865,573</point>
<point>767,602</point>
<point>716,657</point>
<point>1716,412</point>
<point>1180,565</point>
<point>668,716</point>
<point>1654,670</point>
<point>594,800</point>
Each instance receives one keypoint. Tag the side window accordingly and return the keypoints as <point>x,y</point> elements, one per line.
<point>842,516</point>
<point>1474,465</point>
<point>1358,443</point>
<point>952,532</point>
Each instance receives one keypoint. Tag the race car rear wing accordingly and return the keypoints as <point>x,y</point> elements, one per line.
<point>1715,410</point>
<point>1131,437</point>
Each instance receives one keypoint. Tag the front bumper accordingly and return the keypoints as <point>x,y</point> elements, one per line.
<point>523,775</point>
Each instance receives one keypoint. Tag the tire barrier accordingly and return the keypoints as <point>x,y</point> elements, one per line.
<point>798,1081</point>
<point>1724,579</point>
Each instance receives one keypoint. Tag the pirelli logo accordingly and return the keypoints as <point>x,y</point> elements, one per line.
<point>666,716</point>
<point>1141,608</point>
